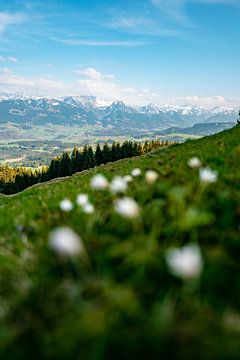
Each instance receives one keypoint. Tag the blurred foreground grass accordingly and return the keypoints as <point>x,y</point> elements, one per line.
<point>119,299</point>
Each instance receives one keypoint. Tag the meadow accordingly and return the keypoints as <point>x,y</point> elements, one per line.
<point>133,259</point>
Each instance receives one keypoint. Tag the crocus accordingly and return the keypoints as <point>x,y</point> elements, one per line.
<point>118,185</point>
<point>82,199</point>
<point>185,263</point>
<point>127,207</point>
<point>136,172</point>
<point>88,208</point>
<point>99,182</point>
<point>194,162</point>
<point>151,176</point>
<point>207,175</point>
<point>65,242</point>
<point>128,178</point>
<point>66,205</point>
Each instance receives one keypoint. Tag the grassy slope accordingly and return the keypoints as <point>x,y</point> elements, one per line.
<point>122,299</point>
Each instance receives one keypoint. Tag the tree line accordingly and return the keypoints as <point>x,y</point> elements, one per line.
<point>14,180</point>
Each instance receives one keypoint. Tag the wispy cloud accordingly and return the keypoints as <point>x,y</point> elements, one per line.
<point>13,59</point>
<point>176,9</point>
<point>12,82</point>
<point>140,26</point>
<point>207,102</point>
<point>8,59</point>
<point>10,19</point>
<point>93,74</point>
<point>112,91</point>
<point>101,43</point>
<point>103,88</point>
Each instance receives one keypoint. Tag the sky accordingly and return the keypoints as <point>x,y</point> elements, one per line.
<point>139,51</point>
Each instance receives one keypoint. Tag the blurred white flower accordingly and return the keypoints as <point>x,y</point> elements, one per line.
<point>66,205</point>
<point>118,185</point>
<point>151,176</point>
<point>127,207</point>
<point>99,182</point>
<point>64,241</point>
<point>185,263</point>
<point>136,172</point>
<point>207,175</point>
<point>194,162</point>
<point>88,208</point>
<point>128,178</point>
<point>82,199</point>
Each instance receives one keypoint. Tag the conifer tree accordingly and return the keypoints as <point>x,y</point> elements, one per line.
<point>84,158</point>
<point>88,156</point>
<point>118,152</point>
<point>65,164</point>
<point>106,153</point>
<point>135,151</point>
<point>75,161</point>
<point>98,155</point>
<point>113,152</point>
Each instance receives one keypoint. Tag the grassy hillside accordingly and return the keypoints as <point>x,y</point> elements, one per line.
<point>118,297</point>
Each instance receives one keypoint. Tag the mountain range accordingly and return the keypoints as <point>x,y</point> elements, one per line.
<point>89,110</point>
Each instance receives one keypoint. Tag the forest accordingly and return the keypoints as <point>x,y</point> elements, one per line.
<point>16,179</point>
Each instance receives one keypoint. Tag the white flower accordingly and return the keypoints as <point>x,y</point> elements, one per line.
<point>127,207</point>
<point>186,262</point>
<point>194,162</point>
<point>66,205</point>
<point>99,182</point>
<point>128,178</point>
<point>136,172</point>
<point>151,176</point>
<point>207,175</point>
<point>88,208</point>
<point>66,242</point>
<point>82,199</point>
<point>118,185</point>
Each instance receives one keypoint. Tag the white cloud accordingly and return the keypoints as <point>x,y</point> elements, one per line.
<point>93,74</point>
<point>100,43</point>
<point>173,8</point>
<point>7,19</point>
<point>32,86</point>
<point>203,101</point>
<point>12,59</point>
<point>103,88</point>
<point>139,26</point>
<point>8,58</point>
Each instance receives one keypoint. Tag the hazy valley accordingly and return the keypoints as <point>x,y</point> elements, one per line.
<point>33,130</point>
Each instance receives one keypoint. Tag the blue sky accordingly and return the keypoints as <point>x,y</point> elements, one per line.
<point>140,51</point>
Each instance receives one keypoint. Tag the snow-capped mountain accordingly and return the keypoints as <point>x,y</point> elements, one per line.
<point>89,110</point>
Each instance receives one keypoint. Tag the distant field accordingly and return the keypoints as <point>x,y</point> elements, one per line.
<point>36,146</point>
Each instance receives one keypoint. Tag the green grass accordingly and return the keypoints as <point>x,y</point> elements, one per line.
<point>120,300</point>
